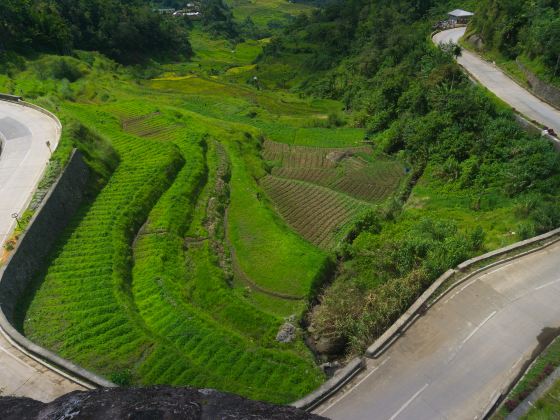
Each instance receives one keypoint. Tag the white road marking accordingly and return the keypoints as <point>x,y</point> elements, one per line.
<point>516,363</point>
<point>354,387</point>
<point>470,283</point>
<point>547,284</point>
<point>406,404</point>
<point>473,332</point>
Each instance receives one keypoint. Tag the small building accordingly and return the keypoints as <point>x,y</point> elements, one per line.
<point>191,10</point>
<point>459,17</point>
<point>165,11</point>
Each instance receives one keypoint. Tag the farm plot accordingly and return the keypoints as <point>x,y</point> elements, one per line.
<point>201,346</point>
<point>343,169</point>
<point>308,157</point>
<point>320,215</point>
<point>142,305</point>
<point>79,310</point>
<point>153,126</point>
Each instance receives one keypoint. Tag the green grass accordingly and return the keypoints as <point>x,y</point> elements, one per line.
<point>493,211</point>
<point>281,116</point>
<point>546,408</point>
<point>549,359</point>
<point>272,255</point>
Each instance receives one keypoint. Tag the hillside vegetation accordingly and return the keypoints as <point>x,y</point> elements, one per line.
<point>324,176</point>
<point>125,30</point>
<point>527,31</point>
<point>480,181</point>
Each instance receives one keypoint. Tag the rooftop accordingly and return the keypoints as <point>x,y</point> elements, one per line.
<point>460,13</point>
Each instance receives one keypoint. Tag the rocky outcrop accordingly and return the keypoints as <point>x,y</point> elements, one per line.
<point>476,41</point>
<point>160,403</point>
<point>287,333</point>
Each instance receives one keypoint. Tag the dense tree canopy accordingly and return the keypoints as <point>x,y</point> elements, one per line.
<point>124,30</point>
<point>218,18</point>
<point>515,27</point>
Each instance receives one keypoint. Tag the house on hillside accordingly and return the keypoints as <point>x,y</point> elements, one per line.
<point>165,11</point>
<point>191,10</point>
<point>459,17</point>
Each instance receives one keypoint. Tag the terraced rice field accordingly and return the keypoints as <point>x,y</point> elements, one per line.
<point>180,270</point>
<point>153,126</point>
<point>320,215</point>
<point>345,170</point>
<point>321,191</point>
<point>310,157</point>
<point>131,295</point>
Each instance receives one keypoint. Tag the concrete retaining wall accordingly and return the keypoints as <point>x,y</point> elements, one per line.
<point>51,218</point>
<point>11,98</point>
<point>423,303</point>
<point>543,90</point>
<point>34,246</point>
<point>310,401</point>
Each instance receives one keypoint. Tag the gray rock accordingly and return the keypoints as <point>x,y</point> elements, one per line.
<point>287,333</point>
<point>158,403</point>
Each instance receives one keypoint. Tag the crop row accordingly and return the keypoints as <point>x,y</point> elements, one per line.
<point>77,310</point>
<point>152,126</point>
<point>308,157</point>
<point>228,359</point>
<point>372,182</point>
<point>319,214</point>
<point>116,301</point>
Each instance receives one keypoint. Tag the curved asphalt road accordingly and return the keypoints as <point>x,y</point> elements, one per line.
<point>23,133</point>
<point>501,85</point>
<point>455,359</point>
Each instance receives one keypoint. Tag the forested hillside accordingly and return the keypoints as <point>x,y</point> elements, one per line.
<point>126,30</point>
<point>481,181</point>
<point>522,28</point>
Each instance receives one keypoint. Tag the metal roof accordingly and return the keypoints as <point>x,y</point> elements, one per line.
<point>460,13</point>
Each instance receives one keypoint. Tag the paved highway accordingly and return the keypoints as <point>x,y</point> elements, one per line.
<point>24,133</point>
<point>455,359</point>
<point>501,85</point>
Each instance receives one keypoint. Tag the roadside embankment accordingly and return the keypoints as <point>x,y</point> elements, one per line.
<point>540,88</point>
<point>35,244</point>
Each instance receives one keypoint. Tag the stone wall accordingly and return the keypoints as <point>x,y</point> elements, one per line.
<point>546,92</point>
<point>35,244</point>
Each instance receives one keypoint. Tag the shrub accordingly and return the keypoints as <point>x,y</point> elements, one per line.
<point>122,378</point>
<point>511,404</point>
